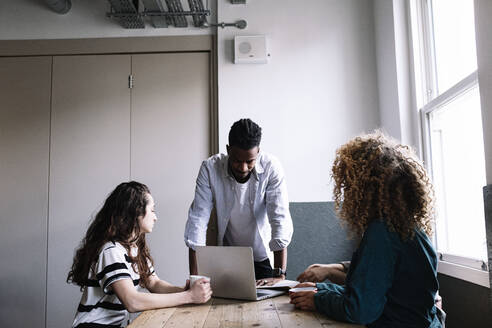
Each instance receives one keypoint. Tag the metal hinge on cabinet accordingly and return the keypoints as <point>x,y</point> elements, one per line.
<point>130,81</point>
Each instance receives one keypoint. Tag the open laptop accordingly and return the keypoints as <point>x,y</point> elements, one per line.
<point>231,271</point>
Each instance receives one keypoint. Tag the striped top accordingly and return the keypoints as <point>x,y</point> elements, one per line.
<point>99,306</point>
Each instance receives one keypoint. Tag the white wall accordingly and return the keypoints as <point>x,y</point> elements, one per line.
<point>398,112</point>
<point>318,90</point>
<point>387,71</point>
<point>33,19</point>
<point>483,12</point>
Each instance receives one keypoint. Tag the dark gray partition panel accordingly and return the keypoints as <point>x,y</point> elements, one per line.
<point>90,155</point>
<point>318,237</point>
<point>24,149</point>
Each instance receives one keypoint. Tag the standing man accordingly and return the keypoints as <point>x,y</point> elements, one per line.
<point>248,190</point>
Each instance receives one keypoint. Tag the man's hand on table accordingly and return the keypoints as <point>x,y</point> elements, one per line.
<point>304,300</point>
<point>269,281</point>
<point>314,273</point>
<point>320,272</point>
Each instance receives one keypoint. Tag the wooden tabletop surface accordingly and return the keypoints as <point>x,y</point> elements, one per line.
<point>272,312</point>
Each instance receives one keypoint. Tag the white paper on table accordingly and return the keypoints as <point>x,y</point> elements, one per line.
<point>283,284</point>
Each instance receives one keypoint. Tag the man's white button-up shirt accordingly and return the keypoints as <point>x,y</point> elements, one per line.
<point>269,202</point>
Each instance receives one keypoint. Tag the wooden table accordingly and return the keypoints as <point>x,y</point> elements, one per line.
<point>272,312</point>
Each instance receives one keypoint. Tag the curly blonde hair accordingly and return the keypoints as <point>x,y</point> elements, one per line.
<point>377,178</point>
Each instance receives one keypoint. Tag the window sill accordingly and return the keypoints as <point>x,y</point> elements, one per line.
<point>478,277</point>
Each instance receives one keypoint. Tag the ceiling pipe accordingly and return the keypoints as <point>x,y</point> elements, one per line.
<point>60,6</point>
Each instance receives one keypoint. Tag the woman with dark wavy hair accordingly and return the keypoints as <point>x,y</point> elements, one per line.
<point>383,194</point>
<point>113,265</point>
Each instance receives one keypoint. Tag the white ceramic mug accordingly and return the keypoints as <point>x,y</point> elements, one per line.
<point>194,278</point>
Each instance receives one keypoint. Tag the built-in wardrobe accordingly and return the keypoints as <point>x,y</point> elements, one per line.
<point>77,117</point>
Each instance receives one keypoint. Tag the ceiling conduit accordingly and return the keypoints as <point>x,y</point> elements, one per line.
<point>60,6</point>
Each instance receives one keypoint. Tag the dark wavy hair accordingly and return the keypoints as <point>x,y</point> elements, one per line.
<point>377,178</point>
<point>245,134</point>
<point>117,221</point>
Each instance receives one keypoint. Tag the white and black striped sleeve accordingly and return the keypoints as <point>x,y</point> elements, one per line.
<point>112,266</point>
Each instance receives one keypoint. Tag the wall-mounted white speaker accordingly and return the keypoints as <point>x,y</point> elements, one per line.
<point>250,49</point>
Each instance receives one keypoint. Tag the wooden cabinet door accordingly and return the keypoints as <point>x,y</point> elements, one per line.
<point>90,155</point>
<point>71,129</point>
<point>170,138</point>
<point>24,155</point>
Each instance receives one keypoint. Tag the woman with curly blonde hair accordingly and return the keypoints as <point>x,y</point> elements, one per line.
<point>383,194</point>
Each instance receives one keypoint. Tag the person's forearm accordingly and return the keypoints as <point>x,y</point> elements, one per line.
<point>163,287</point>
<point>145,301</point>
<point>192,261</point>
<point>280,259</point>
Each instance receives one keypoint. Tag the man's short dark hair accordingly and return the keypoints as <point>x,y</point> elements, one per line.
<point>245,134</point>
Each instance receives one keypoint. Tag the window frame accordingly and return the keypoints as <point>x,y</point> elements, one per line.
<point>427,101</point>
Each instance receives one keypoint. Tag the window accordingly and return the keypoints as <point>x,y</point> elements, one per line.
<point>448,98</point>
